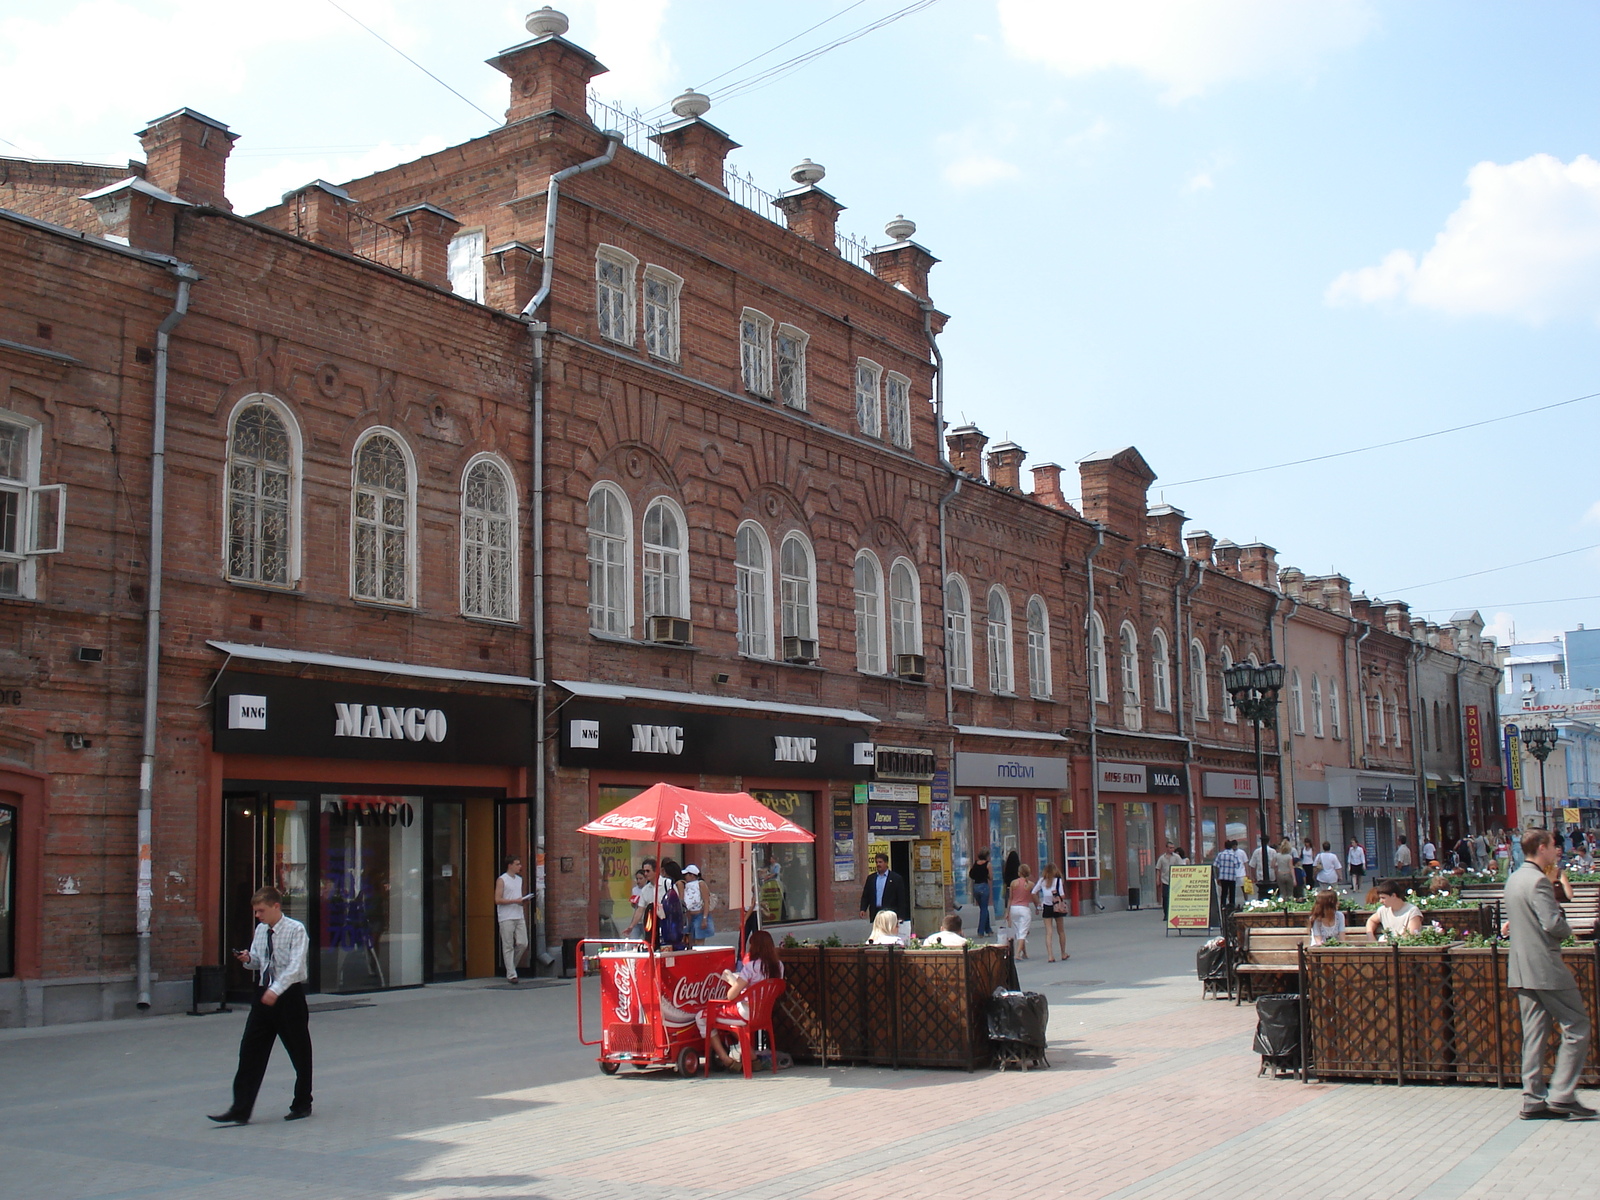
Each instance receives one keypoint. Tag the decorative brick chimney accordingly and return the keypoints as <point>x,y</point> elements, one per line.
<point>1163,526</point>
<point>902,261</point>
<point>1329,591</point>
<point>1228,555</point>
<point>511,276</point>
<point>428,234</point>
<point>1258,564</point>
<point>1047,487</point>
<point>1397,618</point>
<point>317,211</point>
<point>1361,607</point>
<point>1005,466</point>
<point>810,211</point>
<point>1116,490</point>
<point>1292,583</point>
<point>966,445</point>
<point>548,73</point>
<point>186,154</point>
<point>137,213</point>
<point>695,147</point>
<point>1201,546</point>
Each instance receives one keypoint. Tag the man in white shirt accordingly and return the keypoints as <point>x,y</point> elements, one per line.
<point>510,911</point>
<point>278,1012</point>
<point>1327,866</point>
<point>1429,851</point>
<point>1164,866</point>
<point>1402,857</point>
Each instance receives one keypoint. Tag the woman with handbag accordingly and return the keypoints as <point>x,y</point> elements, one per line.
<point>1052,893</point>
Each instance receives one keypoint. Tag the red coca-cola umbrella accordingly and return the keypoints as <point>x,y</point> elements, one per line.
<point>664,813</point>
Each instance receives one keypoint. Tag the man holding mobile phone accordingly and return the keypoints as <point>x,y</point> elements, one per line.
<point>278,1012</point>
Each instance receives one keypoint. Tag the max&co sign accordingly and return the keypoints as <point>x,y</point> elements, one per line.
<point>1142,778</point>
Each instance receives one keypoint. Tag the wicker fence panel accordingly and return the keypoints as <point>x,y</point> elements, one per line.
<point>1354,1025</point>
<point>1460,921</point>
<point>1477,980</point>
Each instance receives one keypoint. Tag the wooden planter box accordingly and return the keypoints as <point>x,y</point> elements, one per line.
<point>1460,921</point>
<point>886,1006</point>
<point>1426,1013</point>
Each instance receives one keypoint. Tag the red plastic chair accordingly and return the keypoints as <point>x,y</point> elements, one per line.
<point>760,997</point>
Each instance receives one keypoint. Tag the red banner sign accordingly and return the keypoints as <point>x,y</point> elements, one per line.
<point>1474,738</point>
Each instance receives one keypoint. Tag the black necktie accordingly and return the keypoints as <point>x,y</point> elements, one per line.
<point>266,979</point>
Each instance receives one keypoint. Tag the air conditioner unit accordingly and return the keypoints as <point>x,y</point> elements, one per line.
<point>669,631</point>
<point>799,650</point>
<point>911,666</point>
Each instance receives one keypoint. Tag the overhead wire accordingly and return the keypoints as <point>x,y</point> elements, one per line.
<point>774,49</point>
<point>1491,570</point>
<point>1508,604</point>
<point>411,60</point>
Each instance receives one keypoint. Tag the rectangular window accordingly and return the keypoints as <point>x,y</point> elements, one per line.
<point>868,420</point>
<point>613,277</point>
<point>661,290</point>
<point>786,872</point>
<point>898,396</point>
<point>32,518</point>
<point>755,352</point>
<point>792,367</point>
<point>466,264</point>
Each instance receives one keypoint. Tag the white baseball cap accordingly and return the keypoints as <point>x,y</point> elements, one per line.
<point>691,869</point>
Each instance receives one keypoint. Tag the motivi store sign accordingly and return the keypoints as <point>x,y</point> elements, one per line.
<point>317,718</point>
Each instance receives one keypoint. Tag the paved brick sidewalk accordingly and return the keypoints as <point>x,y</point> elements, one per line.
<point>481,1091</point>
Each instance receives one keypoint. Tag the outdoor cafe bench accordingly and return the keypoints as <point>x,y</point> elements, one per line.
<point>1273,952</point>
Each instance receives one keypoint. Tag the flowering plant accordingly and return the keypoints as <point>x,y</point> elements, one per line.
<point>1428,935</point>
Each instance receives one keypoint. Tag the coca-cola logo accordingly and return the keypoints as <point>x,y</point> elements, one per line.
<point>680,824</point>
<point>741,827</point>
<point>622,980</point>
<point>619,821</point>
<point>693,993</point>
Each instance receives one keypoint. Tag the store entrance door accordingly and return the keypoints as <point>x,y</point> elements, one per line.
<point>461,877</point>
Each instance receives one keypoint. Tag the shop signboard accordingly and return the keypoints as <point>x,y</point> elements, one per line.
<point>893,820</point>
<point>1142,778</point>
<point>1189,900</point>
<point>911,764</point>
<point>1513,758</point>
<point>351,718</point>
<point>1474,737</point>
<point>1226,785</point>
<point>844,839</point>
<point>1011,771</point>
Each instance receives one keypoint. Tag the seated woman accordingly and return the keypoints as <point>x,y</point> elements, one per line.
<point>949,934</point>
<point>1327,922</point>
<point>886,929</point>
<point>1395,914</point>
<point>760,962</point>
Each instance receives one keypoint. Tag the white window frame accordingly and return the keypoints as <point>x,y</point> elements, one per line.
<point>292,428</point>
<point>603,324</point>
<point>1336,722</point>
<point>797,593</point>
<point>905,612</point>
<point>467,567</point>
<point>1128,662</point>
<point>755,352</point>
<point>29,506</point>
<point>1199,680</point>
<point>1160,671</point>
<point>367,435</point>
<point>611,615</point>
<point>656,557</point>
<point>1039,681</point>
<point>897,402</point>
<point>1318,728</point>
<point>1230,713</point>
<point>466,268</point>
<point>1394,715</point>
<point>753,592</point>
<point>659,344</point>
<point>793,396</point>
<point>870,632</point>
<point>958,631</point>
<point>1297,702</point>
<point>998,641</point>
<point>869,400</point>
<point>1099,684</point>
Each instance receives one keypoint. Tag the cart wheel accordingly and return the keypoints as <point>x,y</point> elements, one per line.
<point>609,1068</point>
<point>689,1062</point>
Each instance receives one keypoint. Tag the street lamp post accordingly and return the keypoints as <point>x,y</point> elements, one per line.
<point>1541,741</point>
<point>1255,696</point>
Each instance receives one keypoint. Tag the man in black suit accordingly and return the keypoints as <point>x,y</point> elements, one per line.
<point>885,889</point>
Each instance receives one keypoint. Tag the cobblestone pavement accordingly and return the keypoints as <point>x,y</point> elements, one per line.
<point>479,1090</point>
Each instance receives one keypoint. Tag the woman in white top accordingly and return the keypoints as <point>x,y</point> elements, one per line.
<point>694,905</point>
<point>1355,857</point>
<point>1395,914</point>
<point>761,962</point>
<point>1052,893</point>
<point>1328,866</point>
<point>886,929</point>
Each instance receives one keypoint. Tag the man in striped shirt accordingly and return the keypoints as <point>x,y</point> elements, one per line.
<point>278,1012</point>
<point>1230,869</point>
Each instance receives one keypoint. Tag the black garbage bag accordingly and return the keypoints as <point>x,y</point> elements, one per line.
<point>1211,960</point>
<point>1018,1017</point>
<point>1278,1031</point>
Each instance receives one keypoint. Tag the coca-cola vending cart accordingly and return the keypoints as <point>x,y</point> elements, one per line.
<point>651,994</point>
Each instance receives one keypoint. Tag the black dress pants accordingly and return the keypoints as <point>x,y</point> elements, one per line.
<point>288,1020</point>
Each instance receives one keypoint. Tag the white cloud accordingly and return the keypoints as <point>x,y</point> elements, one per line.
<point>1525,243</point>
<point>1502,628</point>
<point>625,35</point>
<point>1187,47</point>
<point>1592,517</point>
<point>978,170</point>
<point>1200,181</point>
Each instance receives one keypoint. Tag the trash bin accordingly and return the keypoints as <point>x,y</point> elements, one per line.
<point>210,987</point>
<point>569,957</point>
<point>1016,1022</point>
<point>1278,1033</point>
<point>1133,899</point>
<point>1211,967</point>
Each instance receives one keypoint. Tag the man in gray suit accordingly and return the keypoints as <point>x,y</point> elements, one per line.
<point>1545,988</point>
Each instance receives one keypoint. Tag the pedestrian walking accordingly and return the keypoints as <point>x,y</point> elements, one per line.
<point>1355,857</point>
<point>1052,893</point>
<point>1327,866</point>
<point>1402,856</point>
<point>884,889</point>
<point>277,1012</point>
<point>1173,857</point>
<point>1308,858</point>
<point>1286,872</point>
<point>978,875</point>
<point>701,925</point>
<point>1230,870</point>
<point>1019,913</point>
<point>1546,990</point>
<point>510,910</point>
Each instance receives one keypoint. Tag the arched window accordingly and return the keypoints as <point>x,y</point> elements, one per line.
<point>1128,657</point>
<point>998,627</point>
<point>869,614</point>
<point>1230,714</point>
<point>263,493</point>
<point>666,560</point>
<point>1375,720</point>
<point>1335,716</point>
<point>797,587</point>
<point>958,632</point>
<point>753,586</point>
<point>1199,684</point>
<point>609,535</point>
<point>1297,702</point>
<point>1160,672</point>
<point>1394,718</point>
<point>1438,728</point>
<point>383,507</point>
<point>488,542</point>
<point>1038,649</point>
<point>905,609</point>
<point>1099,685</point>
<point>1317,727</point>
<point>1452,731</point>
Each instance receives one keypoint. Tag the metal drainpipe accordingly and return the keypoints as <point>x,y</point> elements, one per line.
<point>1182,635</point>
<point>538,331</point>
<point>1414,683</point>
<point>944,501</point>
<point>1094,721</point>
<point>1361,706</point>
<point>1461,745</point>
<point>152,628</point>
<point>1286,801</point>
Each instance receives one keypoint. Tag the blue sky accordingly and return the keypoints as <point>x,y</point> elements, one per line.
<point>1231,232</point>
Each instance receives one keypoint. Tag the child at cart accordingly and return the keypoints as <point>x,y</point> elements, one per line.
<point>761,962</point>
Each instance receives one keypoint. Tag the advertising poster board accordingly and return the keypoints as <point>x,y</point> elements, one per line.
<point>1190,906</point>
